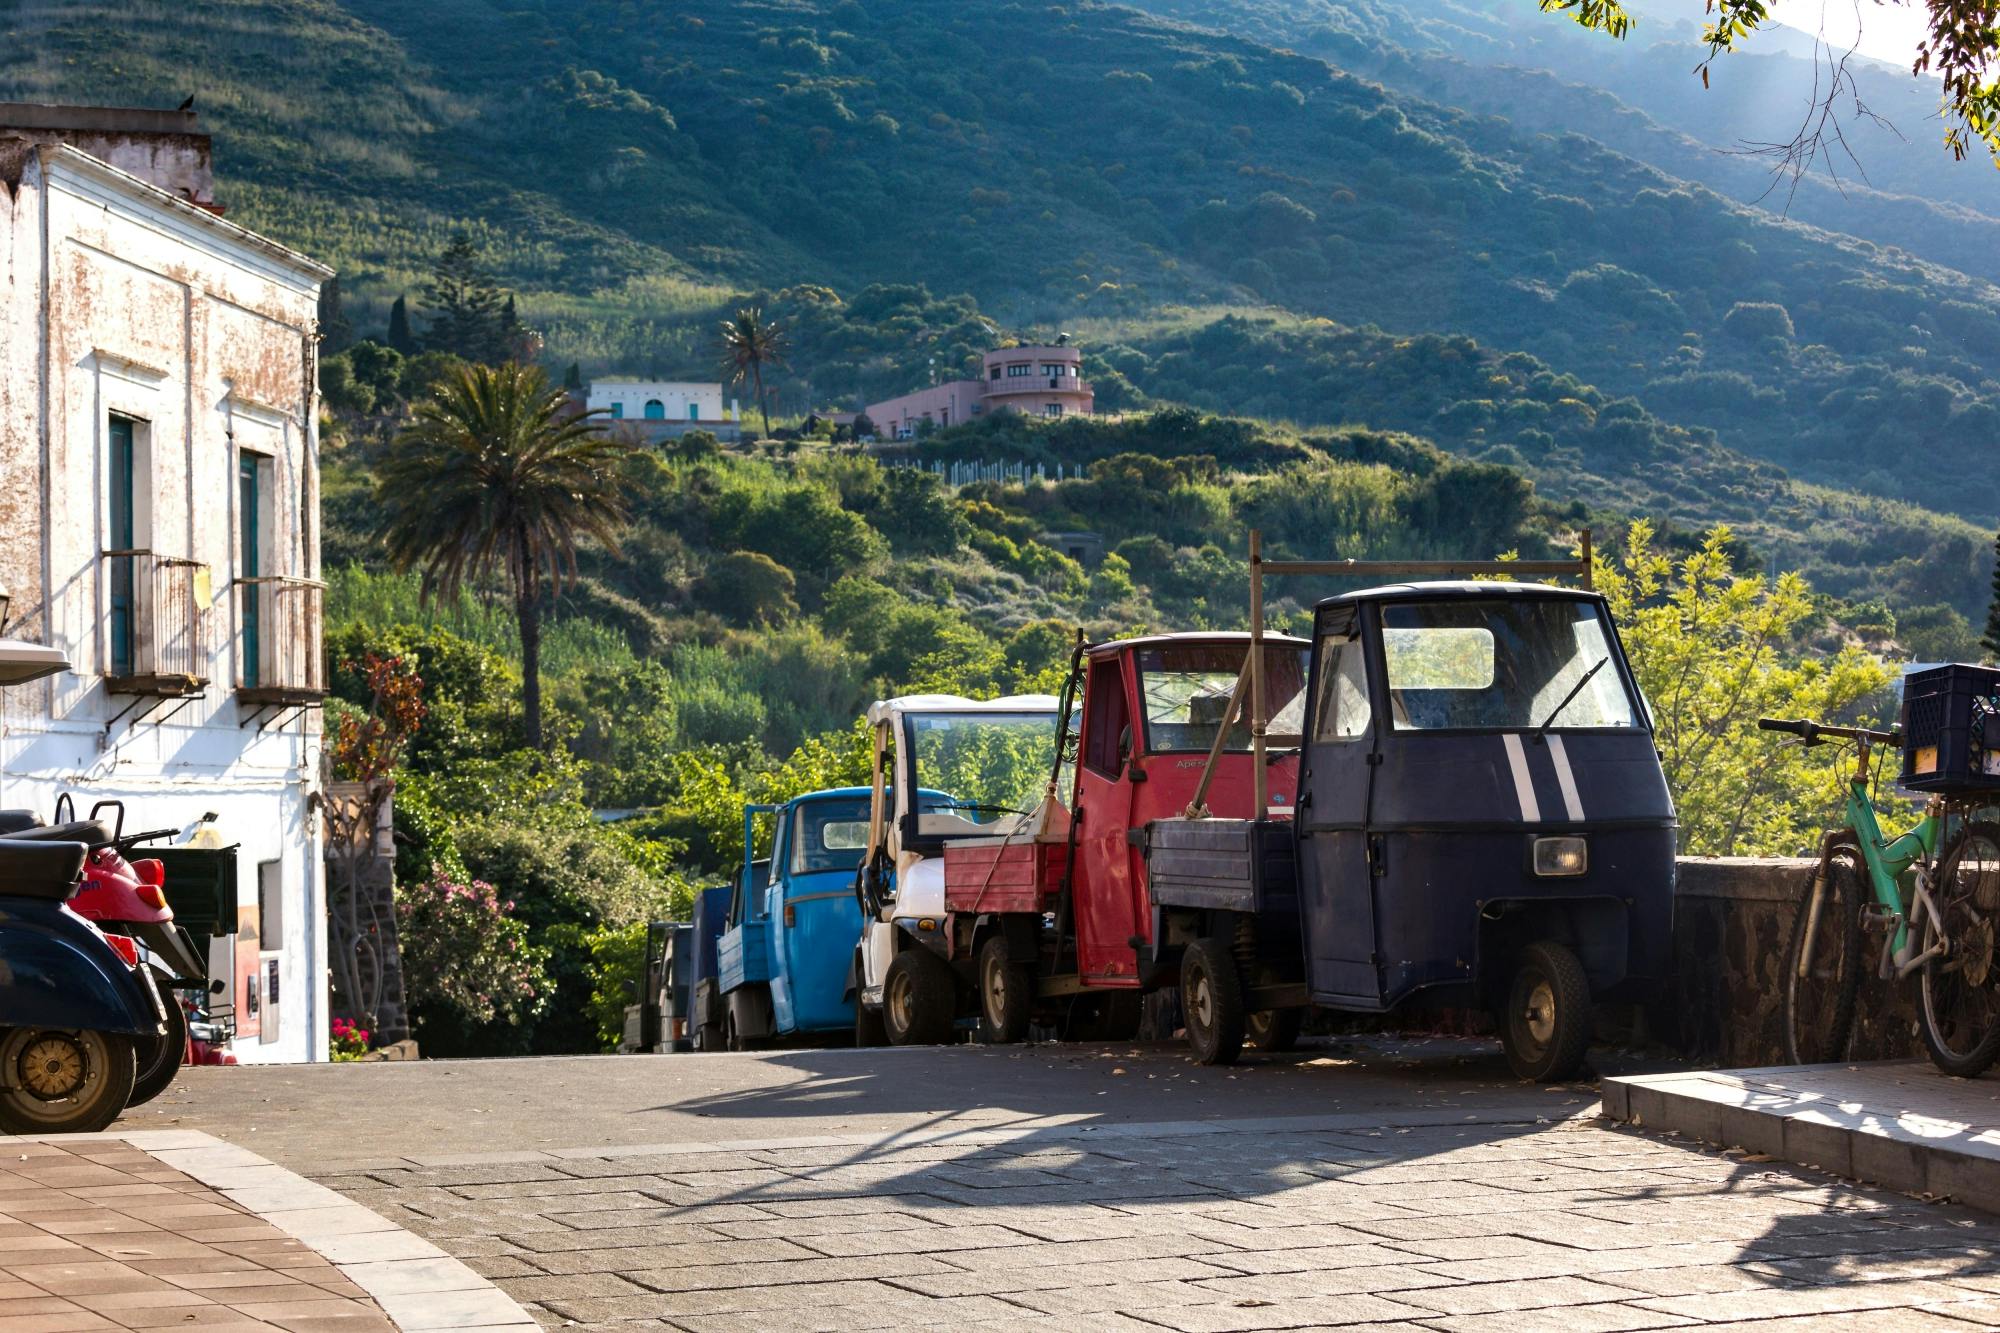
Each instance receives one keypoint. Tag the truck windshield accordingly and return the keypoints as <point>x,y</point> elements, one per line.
<point>1186,689</point>
<point>1490,664</point>
<point>829,835</point>
<point>989,765</point>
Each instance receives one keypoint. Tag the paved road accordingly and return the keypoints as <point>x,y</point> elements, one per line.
<point>462,1106</point>
<point>1402,1188</point>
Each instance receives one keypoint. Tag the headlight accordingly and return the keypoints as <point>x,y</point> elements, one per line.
<point>1561,857</point>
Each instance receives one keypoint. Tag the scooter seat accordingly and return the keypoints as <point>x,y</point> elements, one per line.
<point>40,869</point>
<point>92,833</point>
<point>13,821</point>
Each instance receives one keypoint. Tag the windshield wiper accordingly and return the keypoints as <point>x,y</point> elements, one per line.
<point>1574,690</point>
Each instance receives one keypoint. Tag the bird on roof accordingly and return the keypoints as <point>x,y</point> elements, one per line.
<point>187,105</point>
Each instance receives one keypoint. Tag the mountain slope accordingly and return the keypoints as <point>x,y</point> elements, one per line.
<point>624,163</point>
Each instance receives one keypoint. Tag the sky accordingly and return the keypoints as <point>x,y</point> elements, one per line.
<point>1887,32</point>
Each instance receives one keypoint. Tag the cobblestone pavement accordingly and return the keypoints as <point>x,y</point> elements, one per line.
<point>100,1235</point>
<point>1519,1223</point>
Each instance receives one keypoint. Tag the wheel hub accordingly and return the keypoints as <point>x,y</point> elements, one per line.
<point>1541,1012</point>
<point>1201,1001</point>
<point>52,1067</point>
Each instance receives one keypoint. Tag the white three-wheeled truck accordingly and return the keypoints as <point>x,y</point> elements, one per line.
<point>1481,818</point>
<point>946,768</point>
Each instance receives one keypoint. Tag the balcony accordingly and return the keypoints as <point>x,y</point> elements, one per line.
<point>1035,384</point>
<point>156,646</point>
<point>280,662</point>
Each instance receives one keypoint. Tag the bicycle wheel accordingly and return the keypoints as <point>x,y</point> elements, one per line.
<point>1959,1012</point>
<point>1819,997</point>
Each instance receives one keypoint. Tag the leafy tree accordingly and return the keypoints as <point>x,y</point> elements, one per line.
<point>496,476</point>
<point>1714,650</point>
<point>749,588</point>
<point>399,337</point>
<point>750,344</point>
<point>335,332</point>
<point>470,317</point>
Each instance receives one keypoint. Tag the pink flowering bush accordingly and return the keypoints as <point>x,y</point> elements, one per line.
<point>350,1042</point>
<point>467,962</point>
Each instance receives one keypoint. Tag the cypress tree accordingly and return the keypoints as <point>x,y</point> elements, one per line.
<point>1991,643</point>
<point>400,336</point>
<point>573,377</point>
<point>336,335</point>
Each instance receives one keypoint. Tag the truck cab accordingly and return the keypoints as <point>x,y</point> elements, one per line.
<point>945,769</point>
<point>784,951</point>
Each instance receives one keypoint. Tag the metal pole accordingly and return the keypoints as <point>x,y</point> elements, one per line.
<point>1584,545</point>
<point>1257,776</point>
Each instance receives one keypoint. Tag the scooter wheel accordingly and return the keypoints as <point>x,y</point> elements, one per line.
<point>919,1000</point>
<point>1545,1028</point>
<point>1212,1002</point>
<point>54,1081</point>
<point>160,1058</point>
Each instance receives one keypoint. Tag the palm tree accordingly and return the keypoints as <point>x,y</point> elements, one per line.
<point>749,343</point>
<point>494,474</point>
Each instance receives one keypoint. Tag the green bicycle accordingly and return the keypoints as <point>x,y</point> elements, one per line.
<point>1941,928</point>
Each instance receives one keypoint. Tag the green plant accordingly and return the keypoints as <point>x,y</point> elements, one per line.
<point>491,478</point>
<point>474,980</point>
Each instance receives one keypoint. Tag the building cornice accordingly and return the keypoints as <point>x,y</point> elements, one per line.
<point>98,182</point>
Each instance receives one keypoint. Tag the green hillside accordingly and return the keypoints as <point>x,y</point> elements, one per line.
<point>623,165</point>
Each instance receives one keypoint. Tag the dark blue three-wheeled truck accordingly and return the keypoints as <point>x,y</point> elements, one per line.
<point>1481,820</point>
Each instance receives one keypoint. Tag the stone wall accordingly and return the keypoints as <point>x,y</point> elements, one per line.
<point>1732,921</point>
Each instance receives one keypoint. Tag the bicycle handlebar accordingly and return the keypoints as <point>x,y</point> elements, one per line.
<point>1811,732</point>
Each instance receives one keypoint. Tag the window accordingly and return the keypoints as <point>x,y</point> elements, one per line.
<point>1185,690</point>
<point>1052,409</point>
<point>655,410</point>
<point>250,562</point>
<point>694,411</point>
<point>829,835</point>
<point>617,411</point>
<point>123,538</point>
<point>993,374</point>
<point>1110,738</point>
<point>1020,370</point>
<point>1340,711</point>
<point>1502,664</point>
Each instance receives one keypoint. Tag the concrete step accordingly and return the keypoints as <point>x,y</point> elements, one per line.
<point>1898,1124</point>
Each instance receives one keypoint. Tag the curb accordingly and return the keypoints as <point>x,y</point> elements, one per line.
<point>1765,1112</point>
<point>419,1287</point>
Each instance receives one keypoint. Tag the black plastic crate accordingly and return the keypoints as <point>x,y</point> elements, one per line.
<point>1951,729</point>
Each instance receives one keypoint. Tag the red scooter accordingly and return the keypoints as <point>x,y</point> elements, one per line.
<point>126,899</point>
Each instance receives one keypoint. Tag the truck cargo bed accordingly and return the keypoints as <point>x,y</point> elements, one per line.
<point>994,875</point>
<point>1234,865</point>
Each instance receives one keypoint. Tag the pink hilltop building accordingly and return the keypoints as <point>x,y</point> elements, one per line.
<point>1043,381</point>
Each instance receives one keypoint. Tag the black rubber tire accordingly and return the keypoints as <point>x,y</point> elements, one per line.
<point>1546,1026</point>
<point>1817,1012</point>
<point>1212,1002</point>
<point>1963,1039</point>
<point>1006,992</point>
<point>868,1028</point>
<point>109,1068</point>
<point>1274,1029</point>
<point>160,1058</point>
<point>919,999</point>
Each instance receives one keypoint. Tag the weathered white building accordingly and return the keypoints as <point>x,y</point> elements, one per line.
<point>159,500</point>
<point>658,409</point>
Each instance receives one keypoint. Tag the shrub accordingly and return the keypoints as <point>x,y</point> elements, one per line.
<point>1754,321</point>
<point>474,981</point>
<point>748,588</point>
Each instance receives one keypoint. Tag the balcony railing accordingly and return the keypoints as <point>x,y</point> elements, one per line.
<point>1036,384</point>
<point>156,645</point>
<point>280,654</point>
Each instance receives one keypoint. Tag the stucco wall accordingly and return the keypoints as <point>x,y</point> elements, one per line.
<point>117,300</point>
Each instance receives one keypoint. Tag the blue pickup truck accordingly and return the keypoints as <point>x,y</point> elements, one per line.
<point>793,919</point>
